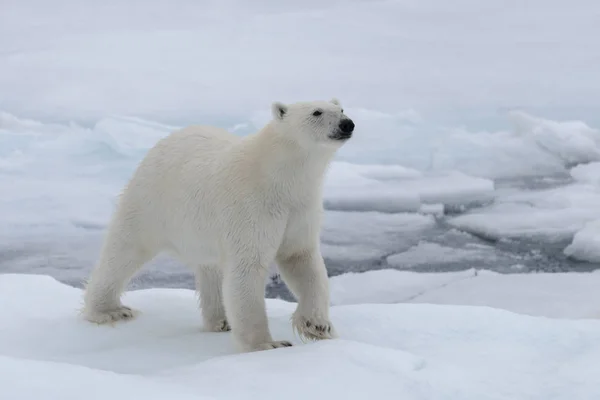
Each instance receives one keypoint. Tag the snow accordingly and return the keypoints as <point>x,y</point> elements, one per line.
<point>27,379</point>
<point>554,214</point>
<point>521,144</point>
<point>554,295</point>
<point>570,141</point>
<point>346,189</point>
<point>586,243</point>
<point>396,189</point>
<point>388,286</point>
<point>360,236</point>
<point>412,351</point>
<point>472,117</point>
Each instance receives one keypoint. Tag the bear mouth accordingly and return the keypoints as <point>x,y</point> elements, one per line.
<point>339,135</point>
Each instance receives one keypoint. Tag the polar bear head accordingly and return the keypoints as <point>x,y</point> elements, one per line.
<point>315,123</point>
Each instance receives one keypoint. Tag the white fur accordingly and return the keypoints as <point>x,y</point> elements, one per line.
<point>228,206</point>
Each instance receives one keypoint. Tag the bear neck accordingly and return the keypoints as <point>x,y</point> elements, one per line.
<point>287,165</point>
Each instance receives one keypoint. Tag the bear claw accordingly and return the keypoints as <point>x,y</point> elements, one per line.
<point>315,329</point>
<point>218,326</point>
<point>274,345</point>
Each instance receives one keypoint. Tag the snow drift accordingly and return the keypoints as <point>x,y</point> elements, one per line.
<point>408,351</point>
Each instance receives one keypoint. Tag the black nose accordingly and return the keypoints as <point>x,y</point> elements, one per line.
<point>346,125</point>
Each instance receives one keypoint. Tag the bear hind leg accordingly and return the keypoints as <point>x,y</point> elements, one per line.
<point>119,261</point>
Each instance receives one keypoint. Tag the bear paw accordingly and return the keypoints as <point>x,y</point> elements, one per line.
<point>111,316</point>
<point>313,328</point>
<point>217,326</point>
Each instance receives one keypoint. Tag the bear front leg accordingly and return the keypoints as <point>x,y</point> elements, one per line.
<point>305,275</point>
<point>244,297</point>
<point>209,285</point>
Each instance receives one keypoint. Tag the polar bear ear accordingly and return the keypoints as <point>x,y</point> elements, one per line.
<point>335,101</point>
<point>279,110</point>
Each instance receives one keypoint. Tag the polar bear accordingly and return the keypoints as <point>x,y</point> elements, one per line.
<point>229,206</point>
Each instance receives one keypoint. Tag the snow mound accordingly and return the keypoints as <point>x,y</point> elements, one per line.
<point>393,188</point>
<point>530,147</point>
<point>572,142</point>
<point>586,243</point>
<point>348,188</point>
<point>553,214</point>
<point>408,351</point>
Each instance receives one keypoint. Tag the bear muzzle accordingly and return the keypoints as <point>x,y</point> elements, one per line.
<point>345,129</point>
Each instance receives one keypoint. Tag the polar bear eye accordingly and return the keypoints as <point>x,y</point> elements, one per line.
<point>317,113</point>
<point>342,110</point>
